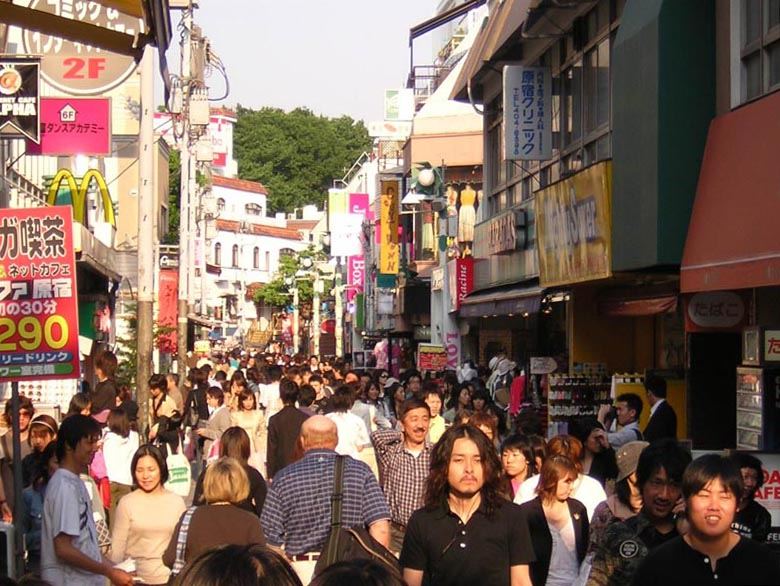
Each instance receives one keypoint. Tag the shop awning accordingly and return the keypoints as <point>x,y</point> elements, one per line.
<point>506,301</point>
<point>637,301</point>
<point>732,240</point>
<point>505,18</point>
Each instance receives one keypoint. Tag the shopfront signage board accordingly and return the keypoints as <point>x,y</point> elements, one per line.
<point>20,96</point>
<point>527,113</point>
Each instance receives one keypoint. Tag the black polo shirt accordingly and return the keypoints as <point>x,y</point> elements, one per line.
<point>748,563</point>
<point>479,552</point>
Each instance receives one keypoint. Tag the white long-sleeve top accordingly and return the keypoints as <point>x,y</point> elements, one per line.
<point>118,453</point>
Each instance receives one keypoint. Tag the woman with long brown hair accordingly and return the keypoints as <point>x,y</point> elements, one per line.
<point>558,525</point>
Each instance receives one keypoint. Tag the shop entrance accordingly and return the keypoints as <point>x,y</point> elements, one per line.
<point>712,381</point>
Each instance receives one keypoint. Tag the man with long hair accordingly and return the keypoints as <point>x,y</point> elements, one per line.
<point>467,532</point>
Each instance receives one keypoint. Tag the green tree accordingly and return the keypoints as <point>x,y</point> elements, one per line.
<point>296,154</point>
<point>277,292</point>
<point>174,194</point>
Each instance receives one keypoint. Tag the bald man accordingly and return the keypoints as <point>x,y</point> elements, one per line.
<point>296,514</point>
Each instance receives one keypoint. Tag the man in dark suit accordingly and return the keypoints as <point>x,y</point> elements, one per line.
<point>663,420</point>
<point>284,428</point>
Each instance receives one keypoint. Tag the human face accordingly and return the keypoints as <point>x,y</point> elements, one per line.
<point>433,400</point>
<point>414,385</point>
<point>593,444</point>
<point>40,438</point>
<point>155,392</point>
<point>212,402</point>
<point>147,473</point>
<point>171,382</point>
<point>711,510</point>
<point>373,392</point>
<point>514,463</point>
<point>314,362</point>
<point>750,480</point>
<point>624,414</point>
<point>659,495</point>
<point>464,398</point>
<point>400,394</point>
<point>383,377</point>
<point>415,424</point>
<point>465,474</point>
<point>564,487</point>
<point>24,419</point>
<point>85,451</point>
<point>87,410</point>
<point>248,404</point>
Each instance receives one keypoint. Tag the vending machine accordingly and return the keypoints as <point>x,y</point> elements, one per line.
<point>758,391</point>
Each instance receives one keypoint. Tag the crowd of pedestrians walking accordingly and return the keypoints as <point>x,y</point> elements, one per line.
<point>275,470</point>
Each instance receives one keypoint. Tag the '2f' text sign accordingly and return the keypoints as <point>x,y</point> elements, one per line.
<point>76,68</point>
<point>38,312</point>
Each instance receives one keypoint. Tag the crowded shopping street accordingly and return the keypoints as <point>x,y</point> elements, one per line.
<point>421,293</point>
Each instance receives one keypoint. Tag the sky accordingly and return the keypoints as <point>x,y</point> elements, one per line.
<point>332,56</point>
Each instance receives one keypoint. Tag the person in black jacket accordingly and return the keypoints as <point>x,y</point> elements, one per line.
<point>284,429</point>
<point>663,419</point>
<point>558,525</point>
<point>752,519</point>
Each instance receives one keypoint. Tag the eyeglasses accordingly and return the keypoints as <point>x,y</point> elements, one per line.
<point>383,376</point>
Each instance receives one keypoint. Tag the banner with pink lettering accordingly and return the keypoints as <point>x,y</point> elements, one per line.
<point>356,264</point>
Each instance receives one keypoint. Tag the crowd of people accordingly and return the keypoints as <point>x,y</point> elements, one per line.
<point>309,472</point>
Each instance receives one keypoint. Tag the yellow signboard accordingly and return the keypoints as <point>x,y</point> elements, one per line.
<point>389,250</point>
<point>574,227</point>
<point>78,194</point>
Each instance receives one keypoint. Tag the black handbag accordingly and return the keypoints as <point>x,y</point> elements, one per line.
<point>345,544</point>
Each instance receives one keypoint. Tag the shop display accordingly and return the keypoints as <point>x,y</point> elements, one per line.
<point>575,395</point>
<point>758,423</point>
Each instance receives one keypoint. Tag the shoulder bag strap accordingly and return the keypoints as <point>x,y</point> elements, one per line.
<point>181,541</point>
<point>338,493</point>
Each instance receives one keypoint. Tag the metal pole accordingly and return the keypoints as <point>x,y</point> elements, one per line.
<point>339,289</point>
<point>316,314</point>
<point>17,488</point>
<point>296,325</point>
<point>146,235</point>
<point>184,203</point>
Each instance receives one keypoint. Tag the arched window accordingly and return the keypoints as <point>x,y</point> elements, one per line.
<point>253,209</point>
<point>235,255</point>
<point>221,204</point>
<point>218,254</point>
<point>286,252</point>
<point>256,258</point>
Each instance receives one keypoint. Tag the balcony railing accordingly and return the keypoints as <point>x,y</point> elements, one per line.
<point>424,80</point>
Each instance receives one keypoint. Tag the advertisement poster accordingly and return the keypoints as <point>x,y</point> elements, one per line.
<point>74,126</point>
<point>20,96</point>
<point>39,337</point>
<point>574,227</point>
<point>431,357</point>
<point>389,250</point>
<point>527,113</point>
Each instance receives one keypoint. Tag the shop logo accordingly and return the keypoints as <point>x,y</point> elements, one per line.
<point>718,309</point>
<point>78,194</point>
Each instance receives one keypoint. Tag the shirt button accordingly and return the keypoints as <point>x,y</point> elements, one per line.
<point>706,560</point>
<point>463,545</point>
<point>715,576</point>
<point>463,533</point>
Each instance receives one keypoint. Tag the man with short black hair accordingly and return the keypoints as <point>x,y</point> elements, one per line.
<point>659,476</point>
<point>663,419</point>
<point>404,459</point>
<point>284,428</point>
<point>625,426</point>
<point>752,519</point>
<point>710,553</point>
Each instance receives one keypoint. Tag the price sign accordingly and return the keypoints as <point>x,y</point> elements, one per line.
<point>431,357</point>
<point>76,68</point>
<point>39,337</point>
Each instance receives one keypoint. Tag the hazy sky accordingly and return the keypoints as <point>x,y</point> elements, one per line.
<point>332,56</point>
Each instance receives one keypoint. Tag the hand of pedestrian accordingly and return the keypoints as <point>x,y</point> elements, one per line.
<point>604,411</point>
<point>119,577</point>
<point>8,515</point>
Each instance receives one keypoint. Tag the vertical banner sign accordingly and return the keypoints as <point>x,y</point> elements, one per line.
<point>39,337</point>
<point>389,251</point>
<point>20,96</point>
<point>527,113</point>
<point>337,207</point>
<point>460,272</point>
<point>356,264</point>
<point>167,309</point>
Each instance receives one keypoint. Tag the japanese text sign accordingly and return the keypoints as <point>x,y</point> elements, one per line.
<point>74,126</point>
<point>574,227</point>
<point>39,337</point>
<point>723,311</point>
<point>527,113</point>
<point>20,95</point>
<point>431,357</point>
<point>76,68</point>
<point>389,250</point>
<point>772,345</point>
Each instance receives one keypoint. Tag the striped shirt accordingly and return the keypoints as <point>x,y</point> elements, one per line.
<point>296,513</point>
<point>403,474</point>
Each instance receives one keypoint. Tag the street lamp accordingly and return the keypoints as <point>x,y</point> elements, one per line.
<point>292,284</point>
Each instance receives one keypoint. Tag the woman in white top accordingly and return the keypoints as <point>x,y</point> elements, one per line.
<point>353,436</point>
<point>249,418</point>
<point>558,525</point>
<point>585,489</point>
<point>146,518</point>
<point>119,446</point>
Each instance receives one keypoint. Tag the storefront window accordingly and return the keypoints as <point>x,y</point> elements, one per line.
<point>759,32</point>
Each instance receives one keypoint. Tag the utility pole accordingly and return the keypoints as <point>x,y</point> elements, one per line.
<point>185,228</point>
<point>339,291</point>
<point>146,234</point>
<point>315,302</point>
<point>296,322</point>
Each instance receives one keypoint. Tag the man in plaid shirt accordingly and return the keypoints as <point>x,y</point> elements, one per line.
<point>296,513</point>
<point>404,459</point>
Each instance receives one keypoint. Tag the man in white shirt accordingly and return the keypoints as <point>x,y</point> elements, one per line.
<point>69,546</point>
<point>624,427</point>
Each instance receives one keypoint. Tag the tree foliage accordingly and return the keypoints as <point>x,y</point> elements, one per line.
<point>277,292</point>
<point>174,193</point>
<point>296,154</point>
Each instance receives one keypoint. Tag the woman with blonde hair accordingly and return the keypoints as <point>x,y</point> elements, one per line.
<point>220,521</point>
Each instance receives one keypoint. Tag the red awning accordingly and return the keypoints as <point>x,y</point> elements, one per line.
<point>733,240</point>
